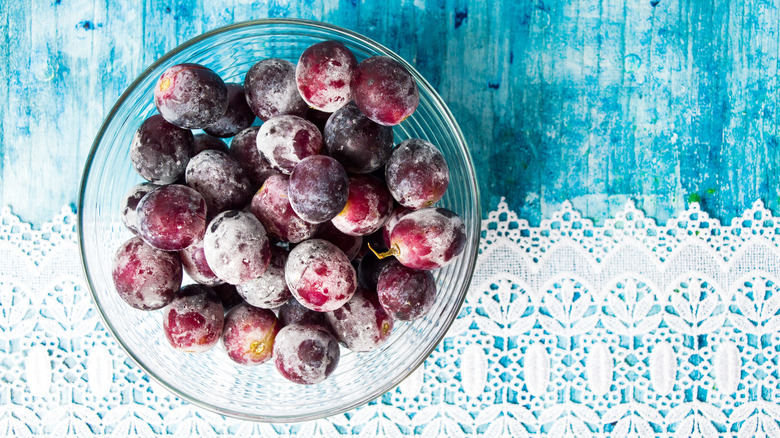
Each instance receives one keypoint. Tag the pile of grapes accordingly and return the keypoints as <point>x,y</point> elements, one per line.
<point>312,229</point>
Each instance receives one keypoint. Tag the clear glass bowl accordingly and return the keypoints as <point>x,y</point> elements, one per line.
<point>211,379</point>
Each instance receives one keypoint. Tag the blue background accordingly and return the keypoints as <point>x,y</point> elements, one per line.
<point>664,102</point>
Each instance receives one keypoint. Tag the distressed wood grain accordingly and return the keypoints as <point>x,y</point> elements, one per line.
<point>663,102</point>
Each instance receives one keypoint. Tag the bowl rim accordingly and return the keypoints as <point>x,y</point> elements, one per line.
<point>438,102</point>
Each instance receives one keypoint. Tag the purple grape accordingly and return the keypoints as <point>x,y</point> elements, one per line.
<point>130,202</point>
<point>398,212</point>
<point>237,117</point>
<point>305,354</point>
<point>269,290</point>
<point>384,90</point>
<point>370,268</point>
<point>405,293</point>
<point>318,189</point>
<point>350,245</point>
<point>293,312</point>
<point>172,217</point>
<point>323,75</point>
<point>144,277</point>
<point>271,90</point>
<point>428,238</point>
<point>227,295</point>
<point>368,207</point>
<point>320,275</point>
<point>319,118</point>
<point>359,144</point>
<point>205,142</point>
<point>160,151</point>
<point>220,180</point>
<point>243,149</point>
<point>286,140</point>
<point>193,321</point>
<point>190,96</point>
<point>361,323</point>
<point>193,260</point>
<point>417,174</point>
<point>271,206</point>
<point>237,247</point>
<point>249,334</point>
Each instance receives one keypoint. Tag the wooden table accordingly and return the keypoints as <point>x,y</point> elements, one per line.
<point>663,102</point>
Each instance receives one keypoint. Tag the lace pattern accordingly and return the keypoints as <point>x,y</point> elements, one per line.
<point>630,329</point>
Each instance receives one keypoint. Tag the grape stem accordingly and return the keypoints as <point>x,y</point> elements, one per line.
<point>393,251</point>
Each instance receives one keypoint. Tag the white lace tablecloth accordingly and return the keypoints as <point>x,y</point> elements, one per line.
<point>630,329</point>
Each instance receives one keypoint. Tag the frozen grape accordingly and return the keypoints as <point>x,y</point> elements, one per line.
<point>286,140</point>
<point>193,321</point>
<point>130,202</point>
<point>227,295</point>
<point>272,207</point>
<point>319,118</point>
<point>406,293</point>
<point>369,269</point>
<point>350,245</point>
<point>236,118</point>
<point>271,90</point>
<point>172,217</point>
<point>368,207</point>
<point>190,96</point>
<point>193,260</point>
<point>361,323</point>
<point>269,290</point>
<point>384,90</point>
<point>160,151</point>
<point>237,247</point>
<point>205,142</point>
<point>243,149</point>
<point>249,334</point>
<point>398,212</point>
<point>220,180</point>
<point>358,143</point>
<point>305,354</point>
<point>145,278</point>
<point>320,275</point>
<point>293,312</point>
<point>428,238</point>
<point>318,189</point>
<point>417,174</point>
<point>323,75</point>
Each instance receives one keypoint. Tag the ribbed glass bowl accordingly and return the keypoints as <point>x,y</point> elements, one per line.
<point>211,379</point>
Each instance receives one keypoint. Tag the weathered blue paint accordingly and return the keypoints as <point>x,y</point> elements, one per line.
<point>598,101</point>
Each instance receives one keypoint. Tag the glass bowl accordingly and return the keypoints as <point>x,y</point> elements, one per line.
<point>211,379</point>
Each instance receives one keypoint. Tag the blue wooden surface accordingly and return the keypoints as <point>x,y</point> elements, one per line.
<point>597,101</point>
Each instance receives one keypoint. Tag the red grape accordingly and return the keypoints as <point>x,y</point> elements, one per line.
<point>190,96</point>
<point>368,207</point>
<point>286,140</point>
<point>384,90</point>
<point>220,180</point>
<point>323,75</point>
<point>269,290</point>
<point>428,238</point>
<point>272,207</point>
<point>130,202</point>
<point>417,174</point>
<point>318,189</point>
<point>320,275</point>
<point>350,245</point>
<point>305,354</point>
<point>359,144</point>
<point>193,260</point>
<point>237,247</point>
<point>361,323</point>
<point>172,217</point>
<point>160,151</point>
<point>243,149</point>
<point>249,334</point>
<point>406,293</point>
<point>146,278</point>
<point>398,212</point>
<point>193,321</point>
<point>271,90</point>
